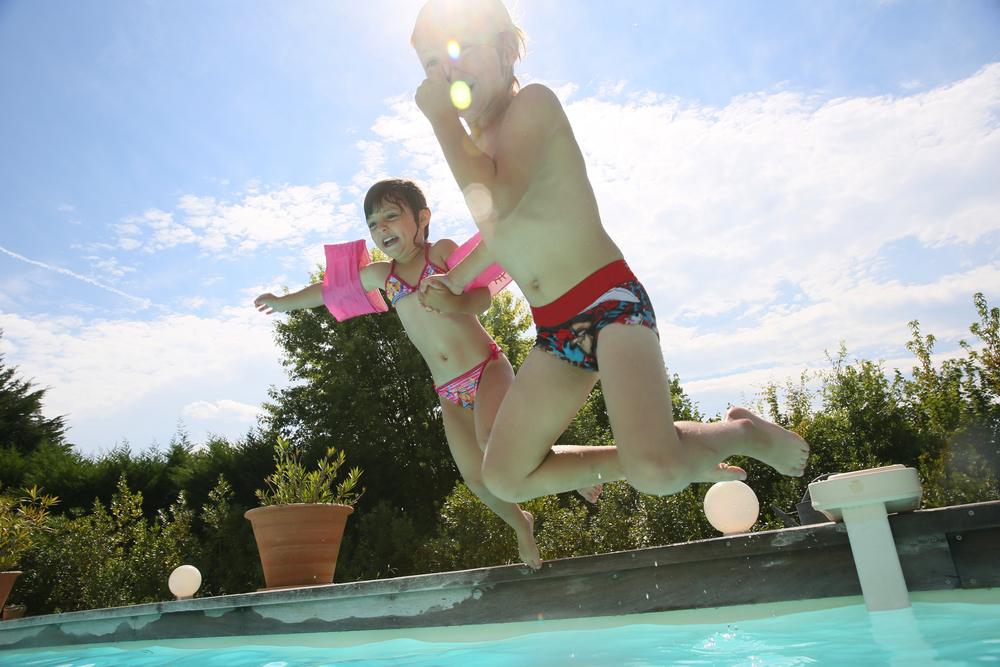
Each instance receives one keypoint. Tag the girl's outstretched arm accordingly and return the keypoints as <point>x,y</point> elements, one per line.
<point>310,296</point>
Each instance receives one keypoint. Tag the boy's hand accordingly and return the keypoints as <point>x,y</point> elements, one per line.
<point>433,97</point>
<point>268,304</point>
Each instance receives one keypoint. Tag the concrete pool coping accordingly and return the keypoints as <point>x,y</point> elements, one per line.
<point>944,553</point>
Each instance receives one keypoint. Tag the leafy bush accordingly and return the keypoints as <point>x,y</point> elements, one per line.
<point>471,536</point>
<point>22,521</point>
<point>290,483</point>
<point>226,552</point>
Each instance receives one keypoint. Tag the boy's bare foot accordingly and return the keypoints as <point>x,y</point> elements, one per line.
<point>722,473</point>
<point>526,547</point>
<point>779,448</point>
<point>591,493</point>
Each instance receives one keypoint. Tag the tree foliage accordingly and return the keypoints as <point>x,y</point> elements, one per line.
<point>23,427</point>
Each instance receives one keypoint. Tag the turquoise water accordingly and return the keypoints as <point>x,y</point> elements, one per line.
<point>933,634</point>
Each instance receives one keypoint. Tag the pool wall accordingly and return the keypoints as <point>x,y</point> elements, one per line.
<point>947,549</point>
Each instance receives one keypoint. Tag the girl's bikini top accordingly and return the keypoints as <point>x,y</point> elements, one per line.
<point>396,288</point>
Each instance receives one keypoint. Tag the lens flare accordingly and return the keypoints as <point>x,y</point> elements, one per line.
<point>454,49</point>
<point>461,96</point>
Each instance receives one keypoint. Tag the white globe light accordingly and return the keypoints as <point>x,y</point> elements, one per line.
<point>184,581</point>
<point>731,507</point>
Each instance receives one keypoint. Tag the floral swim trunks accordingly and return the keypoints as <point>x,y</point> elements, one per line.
<point>568,327</point>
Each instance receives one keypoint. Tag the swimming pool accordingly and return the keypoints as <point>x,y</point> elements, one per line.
<point>930,634</point>
<point>712,601</point>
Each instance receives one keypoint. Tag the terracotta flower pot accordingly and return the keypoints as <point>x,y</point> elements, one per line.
<point>6,583</point>
<point>13,611</point>
<point>298,543</point>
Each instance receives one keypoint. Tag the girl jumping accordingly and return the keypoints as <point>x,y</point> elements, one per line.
<point>470,372</point>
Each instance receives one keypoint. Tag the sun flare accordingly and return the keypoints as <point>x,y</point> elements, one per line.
<point>461,96</point>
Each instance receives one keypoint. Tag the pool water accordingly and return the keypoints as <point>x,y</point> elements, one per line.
<point>932,634</point>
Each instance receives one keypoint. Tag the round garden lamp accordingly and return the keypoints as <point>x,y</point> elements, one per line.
<point>732,507</point>
<point>184,581</point>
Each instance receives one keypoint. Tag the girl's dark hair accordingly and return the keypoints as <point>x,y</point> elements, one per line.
<point>401,192</point>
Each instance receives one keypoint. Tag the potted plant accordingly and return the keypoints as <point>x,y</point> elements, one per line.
<point>301,520</point>
<point>21,519</point>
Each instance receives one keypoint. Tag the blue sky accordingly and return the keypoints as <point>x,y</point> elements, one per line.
<point>783,176</point>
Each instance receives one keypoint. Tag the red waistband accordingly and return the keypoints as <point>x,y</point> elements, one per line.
<point>582,294</point>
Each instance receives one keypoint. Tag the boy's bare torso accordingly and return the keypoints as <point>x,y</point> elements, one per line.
<point>552,237</point>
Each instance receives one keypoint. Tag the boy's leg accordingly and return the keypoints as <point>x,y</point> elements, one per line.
<point>521,462</point>
<point>460,428</point>
<point>659,456</point>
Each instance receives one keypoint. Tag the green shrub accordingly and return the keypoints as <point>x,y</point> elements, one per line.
<point>106,559</point>
<point>22,521</point>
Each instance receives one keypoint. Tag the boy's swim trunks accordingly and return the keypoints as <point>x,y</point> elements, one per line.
<point>568,327</point>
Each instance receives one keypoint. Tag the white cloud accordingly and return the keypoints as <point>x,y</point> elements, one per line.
<point>223,408</point>
<point>286,216</point>
<point>101,368</point>
<point>110,265</point>
<point>137,302</point>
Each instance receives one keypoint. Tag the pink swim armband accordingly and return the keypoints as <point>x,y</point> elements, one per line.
<point>343,292</point>
<point>493,277</point>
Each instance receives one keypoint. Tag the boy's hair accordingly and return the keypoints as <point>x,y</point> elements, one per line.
<point>489,18</point>
<point>401,192</point>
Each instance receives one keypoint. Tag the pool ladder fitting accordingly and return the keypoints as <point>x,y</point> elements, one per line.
<point>863,500</point>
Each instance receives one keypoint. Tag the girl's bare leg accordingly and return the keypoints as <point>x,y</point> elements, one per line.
<point>521,462</point>
<point>460,428</point>
<point>494,383</point>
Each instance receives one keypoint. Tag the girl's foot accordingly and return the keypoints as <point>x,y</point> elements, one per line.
<point>526,547</point>
<point>591,493</point>
<point>722,473</point>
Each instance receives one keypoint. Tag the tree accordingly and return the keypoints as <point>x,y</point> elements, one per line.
<point>23,427</point>
<point>507,320</point>
<point>957,407</point>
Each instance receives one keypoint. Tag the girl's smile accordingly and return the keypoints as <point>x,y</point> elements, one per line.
<point>395,230</point>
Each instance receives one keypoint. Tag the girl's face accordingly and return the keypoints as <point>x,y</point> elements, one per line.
<point>469,56</point>
<point>394,229</point>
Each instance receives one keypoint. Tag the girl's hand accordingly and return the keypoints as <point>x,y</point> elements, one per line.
<point>434,299</point>
<point>441,281</point>
<point>268,304</point>
<point>433,97</point>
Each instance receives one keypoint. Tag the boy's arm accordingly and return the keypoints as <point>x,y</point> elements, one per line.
<point>528,126</point>
<point>441,300</point>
